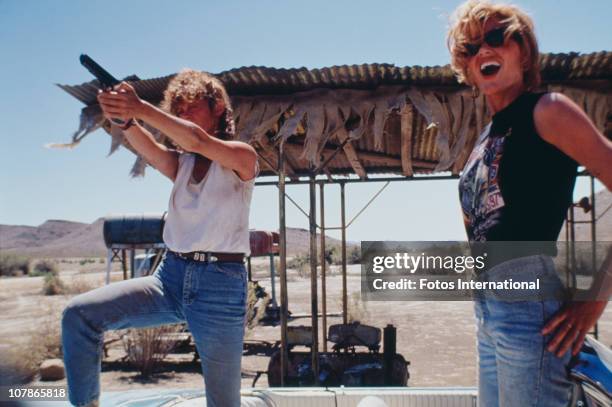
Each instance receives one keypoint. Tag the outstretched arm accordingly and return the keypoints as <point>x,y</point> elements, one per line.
<point>156,154</point>
<point>235,155</point>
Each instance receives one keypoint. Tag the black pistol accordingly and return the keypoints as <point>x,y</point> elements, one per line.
<point>107,81</point>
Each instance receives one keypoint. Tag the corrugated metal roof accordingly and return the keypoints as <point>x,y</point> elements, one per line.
<point>264,80</point>
<point>251,80</point>
<point>584,71</point>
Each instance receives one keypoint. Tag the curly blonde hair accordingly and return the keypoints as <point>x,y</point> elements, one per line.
<point>467,25</point>
<point>189,86</point>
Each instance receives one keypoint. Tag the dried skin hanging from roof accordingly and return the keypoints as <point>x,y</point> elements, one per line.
<point>319,115</point>
<point>322,114</point>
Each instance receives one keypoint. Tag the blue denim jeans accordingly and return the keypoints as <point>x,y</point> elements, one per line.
<point>515,369</point>
<point>210,297</point>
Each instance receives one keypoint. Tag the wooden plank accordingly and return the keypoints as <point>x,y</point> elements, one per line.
<point>406,133</point>
<point>351,154</point>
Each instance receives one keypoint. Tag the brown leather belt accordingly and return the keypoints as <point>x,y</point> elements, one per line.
<point>207,257</point>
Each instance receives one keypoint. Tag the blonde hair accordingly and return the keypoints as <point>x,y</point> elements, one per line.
<point>467,25</point>
<point>190,86</point>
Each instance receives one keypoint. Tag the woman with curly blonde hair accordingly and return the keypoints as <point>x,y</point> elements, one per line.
<point>202,279</point>
<point>516,187</point>
<point>190,86</point>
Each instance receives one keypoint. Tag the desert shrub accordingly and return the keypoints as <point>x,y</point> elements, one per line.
<point>53,285</point>
<point>304,270</point>
<point>13,265</point>
<point>83,262</point>
<point>20,363</point>
<point>353,255</point>
<point>79,285</point>
<point>263,268</point>
<point>356,308</point>
<point>48,333</point>
<point>21,360</point>
<point>298,260</point>
<point>301,263</point>
<point>44,267</point>
<point>146,348</point>
<point>333,255</point>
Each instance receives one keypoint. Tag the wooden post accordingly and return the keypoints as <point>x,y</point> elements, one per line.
<point>343,228</point>
<point>124,263</point>
<point>109,259</point>
<point>282,232</point>
<point>594,241</point>
<point>314,303</point>
<point>323,266</point>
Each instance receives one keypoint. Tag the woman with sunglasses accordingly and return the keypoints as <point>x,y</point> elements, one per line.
<point>516,186</point>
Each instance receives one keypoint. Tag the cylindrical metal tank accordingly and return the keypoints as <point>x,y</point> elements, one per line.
<point>263,242</point>
<point>134,229</point>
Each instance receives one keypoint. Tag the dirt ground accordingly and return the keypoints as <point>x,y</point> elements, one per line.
<point>438,338</point>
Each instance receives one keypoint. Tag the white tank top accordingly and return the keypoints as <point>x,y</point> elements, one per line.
<point>211,215</point>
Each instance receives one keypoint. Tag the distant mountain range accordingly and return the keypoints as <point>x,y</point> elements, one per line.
<point>54,238</point>
<point>61,238</point>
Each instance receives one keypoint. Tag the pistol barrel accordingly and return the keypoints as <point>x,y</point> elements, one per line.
<point>106,79</point>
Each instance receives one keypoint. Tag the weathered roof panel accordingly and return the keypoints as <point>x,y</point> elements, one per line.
<point>369,101</point>
<point>263,80</point>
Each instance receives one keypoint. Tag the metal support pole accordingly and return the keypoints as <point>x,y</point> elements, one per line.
<point>572,238</point>
<point>594,243</point>
<point>343,227</point>
<point>282,232</point>
<point>314,303</point>
<point>593,215</point>
<point>138,270</point>
<point>323,276</point>
<point>567,247</point>
<point>573,267</point>
<point>124,263</point>
<point>109,259</point>
<point>132,262</point>
<point>273,280</point>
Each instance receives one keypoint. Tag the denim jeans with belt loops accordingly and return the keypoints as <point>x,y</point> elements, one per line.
<point>210,297</point>
<point>515,369</point>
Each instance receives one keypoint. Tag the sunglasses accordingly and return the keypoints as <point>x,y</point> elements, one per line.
<point>494,38</point>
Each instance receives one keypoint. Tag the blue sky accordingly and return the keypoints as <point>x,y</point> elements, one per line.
<point>40,43</point>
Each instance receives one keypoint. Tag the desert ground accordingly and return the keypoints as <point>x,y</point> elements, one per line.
<point>438,338</point>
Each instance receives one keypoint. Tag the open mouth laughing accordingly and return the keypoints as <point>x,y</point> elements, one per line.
<point>489,68</point>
